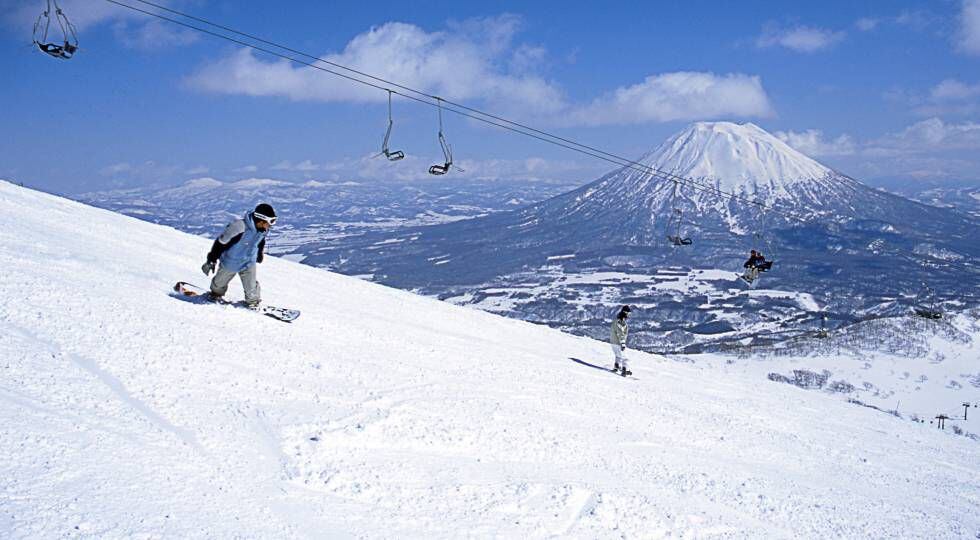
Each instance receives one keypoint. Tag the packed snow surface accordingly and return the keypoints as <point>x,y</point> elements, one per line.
<point>125,412</point>
<point>734,155</point>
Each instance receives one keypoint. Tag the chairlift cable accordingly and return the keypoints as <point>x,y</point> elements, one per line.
<point>457,108</point>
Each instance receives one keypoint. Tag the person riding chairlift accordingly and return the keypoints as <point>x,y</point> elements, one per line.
<point>753,266</point>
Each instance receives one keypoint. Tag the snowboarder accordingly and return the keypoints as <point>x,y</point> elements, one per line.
<point>618,341</point>
<point>239,248</point>
<point>752,266</point>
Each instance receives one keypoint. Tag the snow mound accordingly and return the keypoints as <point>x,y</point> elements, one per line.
<point>740,157</point>
<point>195,186</point>
<point>252,183</point>
<point>126,412</point>
<point>203,183</point>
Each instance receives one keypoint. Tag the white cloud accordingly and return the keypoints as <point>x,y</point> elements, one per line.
<point>677,96</point>
<point>153,35</point>
<point>799,38</point>
<point>82,13</point>
<point>116,168</point>
<point>812,143</point>
<point>952,89</point>
<point>928,136</point>
<point>286,165</point>
<point>306,166</point>
<point>866,24</point>
<point>200,169</point>
<point>462,63</point>
<point>247,169</point>
<point>929,148</point>
<point>950,97</point>
<point>415,168</point>
<point>484,65</point>
<point>527,58</point>
<point>145,173</point>
<point>918,20</point>
<point>968,36</point>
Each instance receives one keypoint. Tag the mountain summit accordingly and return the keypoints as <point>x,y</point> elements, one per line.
<point>735,157</point>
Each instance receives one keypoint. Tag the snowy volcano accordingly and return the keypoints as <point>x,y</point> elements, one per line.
<point>818,216</point>
<point>738,158</point>
<point>853,250</point>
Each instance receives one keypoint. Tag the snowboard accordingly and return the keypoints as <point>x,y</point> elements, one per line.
<point>193,292</point>
<point>618,374</point>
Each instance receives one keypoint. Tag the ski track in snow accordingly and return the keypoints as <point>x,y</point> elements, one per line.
<point>126,413</point>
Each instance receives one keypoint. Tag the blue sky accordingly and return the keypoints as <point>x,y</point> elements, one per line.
<point>875,89</point>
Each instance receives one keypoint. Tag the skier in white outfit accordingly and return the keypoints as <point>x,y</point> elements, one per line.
<point>617,340</point>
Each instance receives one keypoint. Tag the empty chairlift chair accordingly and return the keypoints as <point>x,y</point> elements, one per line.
<point>447,150</point>
<point>391,155</point>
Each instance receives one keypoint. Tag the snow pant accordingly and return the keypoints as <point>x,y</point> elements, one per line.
<point>253,294</point>
<point>751,273</point>
<point>620,355</point>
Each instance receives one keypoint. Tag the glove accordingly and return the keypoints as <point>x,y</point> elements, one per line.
<point>207,268</point>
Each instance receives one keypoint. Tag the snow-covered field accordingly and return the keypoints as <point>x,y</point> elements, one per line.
<point>125,412</point>
<point>916,367</point>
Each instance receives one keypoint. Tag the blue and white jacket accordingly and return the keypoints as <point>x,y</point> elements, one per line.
<point>240,246</point>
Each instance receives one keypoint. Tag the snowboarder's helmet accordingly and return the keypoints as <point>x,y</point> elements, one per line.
<point>266,213</point>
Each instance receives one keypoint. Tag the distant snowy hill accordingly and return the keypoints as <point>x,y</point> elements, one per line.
<point>319,216</point>
<point>858,251</point>
<point>125,412</point>
<point>963,195</point>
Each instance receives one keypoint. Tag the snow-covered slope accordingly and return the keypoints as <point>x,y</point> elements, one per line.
<point>125,412</point>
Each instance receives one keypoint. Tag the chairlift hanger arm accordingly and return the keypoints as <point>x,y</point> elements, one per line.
<point>391,155</point>
<point>447,151</point>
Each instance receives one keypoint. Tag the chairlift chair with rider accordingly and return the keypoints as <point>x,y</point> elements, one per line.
<point>927,312</point>
<point>69,44</point>
<point>674,223</point>
<point>823,332</point>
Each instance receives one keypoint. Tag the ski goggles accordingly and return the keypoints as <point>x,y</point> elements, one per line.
<point>267,219</point>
